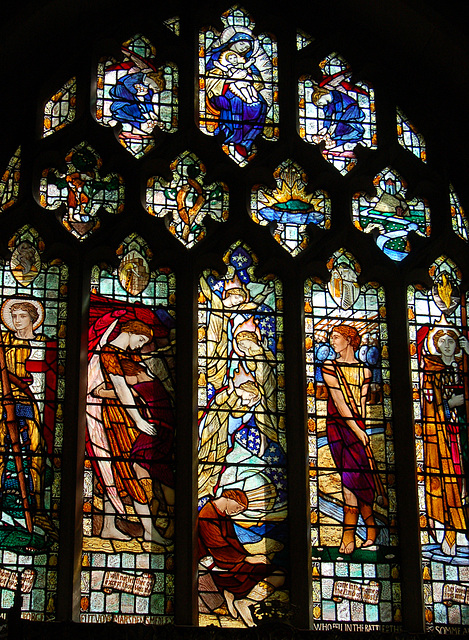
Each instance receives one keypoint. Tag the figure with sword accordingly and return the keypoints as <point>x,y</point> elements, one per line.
<point>23,446</point>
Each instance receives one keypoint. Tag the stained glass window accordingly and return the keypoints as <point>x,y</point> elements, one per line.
<point>409,137</point>
<point>135,95</point>
<point>186,200</point>
<point>128,503</point>
<point>439,358</point>
<point>32,362</point>
<point>173,24</point>
<point>242,446</point>
<point>389,216</point>
<point>303,39</point>
<point>80,193</point>
<point>355,562</point>
<point>458,216</point>
<point>60,109</point>
<point>10,181</point>
<point>337,113</point>
<point>289,208</point>
<point>238,93</point>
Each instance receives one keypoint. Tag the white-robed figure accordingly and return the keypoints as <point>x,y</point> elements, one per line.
<point>240,424</point>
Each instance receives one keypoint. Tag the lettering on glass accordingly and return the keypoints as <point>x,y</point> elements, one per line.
<point>439,351</point>
<point>355,560</point>
<point>32,357</point>
<point>129,501</point>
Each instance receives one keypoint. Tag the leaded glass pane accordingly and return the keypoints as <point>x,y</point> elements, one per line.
<point>458,216</point>
<point>409,137</point>
<point>60,109</point>
<point>439,359</point>
<point>135,95</point>
<point>355,560</point>
<point>128,501</point>
<point>337,112</point>
<point>10,181</point>
<point>242,483</point>
<point>186,200</point>
<point>289,208</point>
<point>389,216</point>
<point>32,361</point>
<point>82,191</point>
<point>238,91</point>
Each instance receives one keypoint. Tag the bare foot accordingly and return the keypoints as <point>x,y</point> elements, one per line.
<point>229,597</point>
<point>111,532</point>
<point>243,608</point>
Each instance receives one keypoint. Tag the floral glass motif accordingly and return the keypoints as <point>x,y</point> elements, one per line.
<point>289,208</point>
<point>128,502</point>
<point>60,109</point>
<point>186,200</point>
<point>389,216</point>
<point>238,92</point>
<point>81,192</point>
<point>337,113</point>
<point>136,96</point>
<point>439,351</point>
<point>355,560</point>
<point>242,484</point>
<point>10,181</point>
<point>409,137</point>
<point>458,217</point>
<point>32,361</point>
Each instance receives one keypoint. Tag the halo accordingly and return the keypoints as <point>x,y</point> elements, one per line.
<point>6,312</point>
<point>440,326</point>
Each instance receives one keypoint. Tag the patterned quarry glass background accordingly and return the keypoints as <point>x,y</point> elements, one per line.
<point>32,361</point>
<point>238,92</point>
<point>355,559</point>
<point>128,502</point>
<point>61,108</point>
<point>242,482</point>
<point>409,137</point>
<point>337,112</point>
<point>458,217</point>
<point>10,181</point>
<point>439,358</point>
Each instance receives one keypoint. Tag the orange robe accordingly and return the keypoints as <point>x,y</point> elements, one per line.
<point>120,428</point>
<point>442,493</point>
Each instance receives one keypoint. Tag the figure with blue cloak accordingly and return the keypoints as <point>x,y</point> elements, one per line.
<point>134,96</point>
<point>342,116</point>
<point>236,69</point>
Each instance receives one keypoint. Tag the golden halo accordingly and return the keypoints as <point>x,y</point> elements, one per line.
<point>440,326</point>
<point>6,312</point>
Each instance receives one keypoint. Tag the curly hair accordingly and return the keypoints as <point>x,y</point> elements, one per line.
<point>349,333</point>
<point>445,332</point>
<point>28,307</point>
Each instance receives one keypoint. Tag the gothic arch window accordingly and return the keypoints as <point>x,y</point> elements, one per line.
<point>234,340</point>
